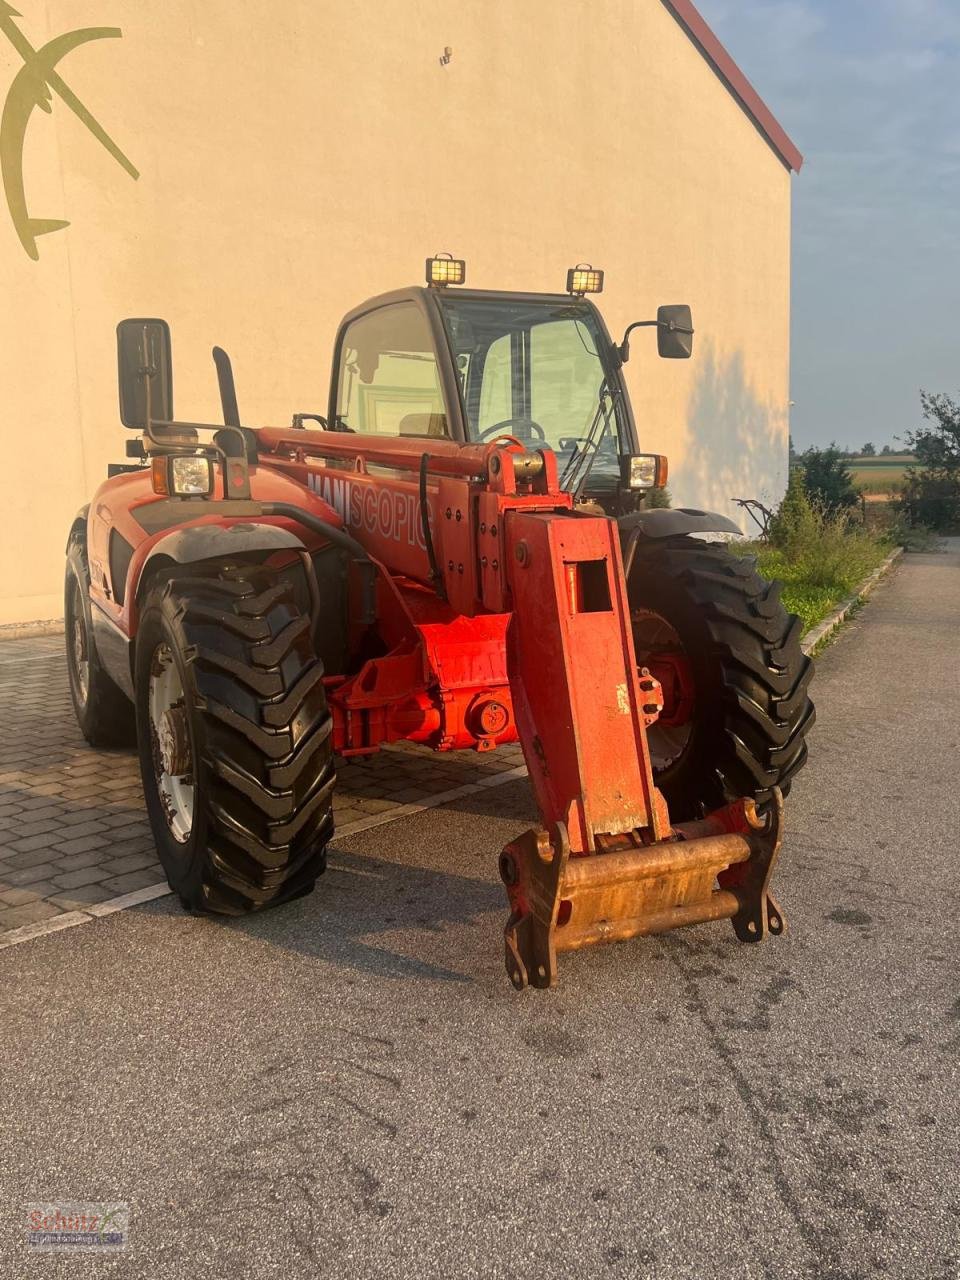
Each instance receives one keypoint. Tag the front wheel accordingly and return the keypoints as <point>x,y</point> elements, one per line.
<point>234,738</point>
<point>104,712</point>
<point>727,653</point>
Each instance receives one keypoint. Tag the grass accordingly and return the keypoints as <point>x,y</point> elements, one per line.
<point>820,558</point>
<point>807,590</point>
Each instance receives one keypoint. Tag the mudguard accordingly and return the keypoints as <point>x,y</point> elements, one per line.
<point>218,542</point>
<point>668,522</point>
<point>79,527</point>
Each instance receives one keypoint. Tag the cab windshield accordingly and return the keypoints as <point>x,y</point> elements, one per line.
<point>533,370</point>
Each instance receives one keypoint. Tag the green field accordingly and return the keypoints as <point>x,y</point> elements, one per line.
<point>881,475</point>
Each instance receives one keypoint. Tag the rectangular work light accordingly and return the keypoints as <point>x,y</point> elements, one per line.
<point>583,279</point>
<point>443,270</point>
<point>182,475</point>
<point>644,471</point>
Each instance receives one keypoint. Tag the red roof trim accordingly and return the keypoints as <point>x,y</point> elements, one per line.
<point>692,21</point>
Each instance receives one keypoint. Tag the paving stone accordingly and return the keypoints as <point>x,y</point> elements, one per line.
<point>30,845</point>
<point>75,816</point>
<point>411,795</point>
<point>30,875</point>
<point>92,827</point>
<point>83,792</point>
<point>31,913</point>
<point>36,888</point>
<point>82,845</point>
<point>368,805</point>
<point>19,861</point>
<point>18,897</point>
<point>84,896</point>
<point>125,844</point>
<point>125,819</point>
<point>49,813</point>
<point>342,817</point>
<point>74,879</point>
<point>132,880</point>
<point>132,862</point>
<point>79,861</point>
<point>36,828</point>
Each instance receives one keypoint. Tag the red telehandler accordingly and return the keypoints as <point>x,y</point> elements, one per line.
<point>462,553</point>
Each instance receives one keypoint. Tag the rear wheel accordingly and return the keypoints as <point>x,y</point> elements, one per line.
<point>104,712</point>
<point>235,739</point>
<point>736,706</point>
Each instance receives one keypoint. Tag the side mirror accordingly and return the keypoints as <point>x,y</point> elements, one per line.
<point>675,332</point>
<point>144,361</point>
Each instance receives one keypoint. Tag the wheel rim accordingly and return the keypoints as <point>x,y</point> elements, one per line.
<point>658,648</point>
<point>79,648</point>
<point>170,744</point>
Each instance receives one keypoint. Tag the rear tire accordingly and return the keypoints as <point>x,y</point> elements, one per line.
<point>104,712</point>
<point>236,747</point>
<point>745,733</point>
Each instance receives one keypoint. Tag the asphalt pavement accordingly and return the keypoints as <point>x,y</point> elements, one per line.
<point>350,1087</point>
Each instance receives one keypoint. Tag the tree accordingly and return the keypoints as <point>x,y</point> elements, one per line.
<point>886,449</point>
<point>827,480</point>
<point>932,494</point>
<point>869,450</point>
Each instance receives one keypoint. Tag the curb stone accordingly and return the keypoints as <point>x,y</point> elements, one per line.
<point>31,630</point>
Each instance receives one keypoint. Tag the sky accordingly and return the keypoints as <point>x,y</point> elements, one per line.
<point>869,90</point>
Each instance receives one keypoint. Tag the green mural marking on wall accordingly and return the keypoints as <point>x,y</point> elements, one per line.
<point>32,88</point>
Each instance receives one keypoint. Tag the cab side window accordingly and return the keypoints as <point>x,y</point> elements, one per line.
<point>496,389</point>
<point>389,383</point>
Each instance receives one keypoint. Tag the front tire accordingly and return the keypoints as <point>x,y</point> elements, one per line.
<point>104,712</point>
<point>235,741</point>
<point>728,652</point>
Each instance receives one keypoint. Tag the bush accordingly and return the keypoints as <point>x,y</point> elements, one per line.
<point>656,498</point>
<point>827,479</point>
<point>819,554</point>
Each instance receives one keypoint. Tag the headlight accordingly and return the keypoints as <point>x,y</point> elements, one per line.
<point>191,476</point>
<point>182,476</point>
<point>644,471</point>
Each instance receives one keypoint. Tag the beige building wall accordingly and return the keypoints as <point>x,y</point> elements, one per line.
<point>295,158</point>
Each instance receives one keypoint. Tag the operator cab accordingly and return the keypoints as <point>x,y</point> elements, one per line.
<point>476,365</point>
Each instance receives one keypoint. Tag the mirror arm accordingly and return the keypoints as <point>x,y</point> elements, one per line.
<point>624,349</point>
<point>671,326</point>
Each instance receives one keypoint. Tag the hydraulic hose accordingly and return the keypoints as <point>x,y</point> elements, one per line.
<point>338,538</point>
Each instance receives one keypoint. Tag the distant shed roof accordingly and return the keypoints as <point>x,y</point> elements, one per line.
<point>695,25</point>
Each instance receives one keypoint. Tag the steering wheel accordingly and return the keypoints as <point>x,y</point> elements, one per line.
<point>524,424</point>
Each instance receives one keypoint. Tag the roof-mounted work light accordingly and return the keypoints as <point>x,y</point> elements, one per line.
<point>443,269</point>
<point>583,279</point>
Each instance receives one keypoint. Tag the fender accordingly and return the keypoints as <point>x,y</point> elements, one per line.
<point>78,529</point>
<point>216,542</point>
<point>182,546</point>
<point>667,522</point>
